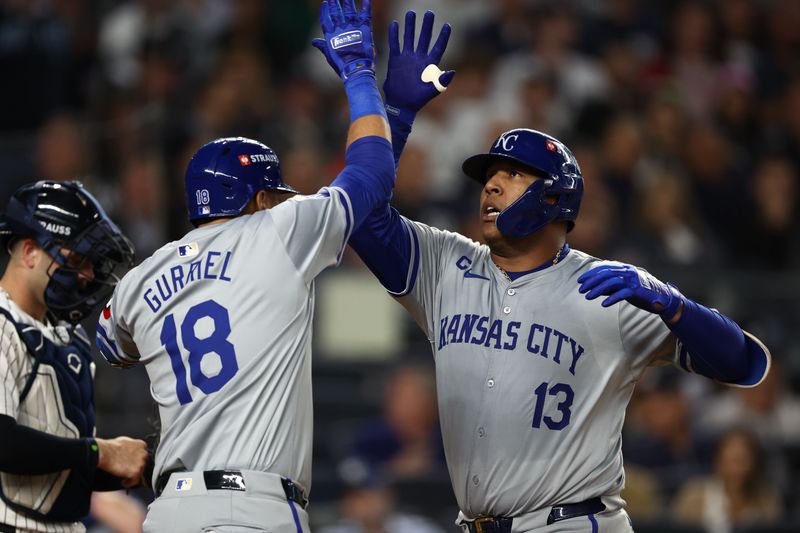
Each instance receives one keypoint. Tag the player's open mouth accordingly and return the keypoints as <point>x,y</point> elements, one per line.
<point>490,213</point>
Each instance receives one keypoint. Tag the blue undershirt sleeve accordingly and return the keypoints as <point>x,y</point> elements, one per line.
<point>368,175</point>
<point>384,243</point>
<point>400,125</point>
<point>384,240</point>
<point>718,348</point>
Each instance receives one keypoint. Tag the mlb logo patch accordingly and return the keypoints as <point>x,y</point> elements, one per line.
<point>183,484</point>
<point>550,145</point>
<point>188,250</point>
<point>205,210</point>
<point>244,160</point>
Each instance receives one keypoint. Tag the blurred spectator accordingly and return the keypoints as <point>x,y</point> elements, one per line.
<point>505,30</point>
<point>63,150</point>
<point>406,442</point>
<point>716,183</point>
<point>578,80</point>
<point>767,232</point>
<point>623,170</point>
<point>140,205</point>
<point>735,495</point>
<point>694,55</point>
<point>38,48</point>
<point>116,511</point>
<point>658,435</point>
<point>599,218</point>
<point>369,505</point>
<point>741,22</point>
<point>642,495</point>
<point>668,235</point>
<point>770,411</point>
<point>686,116</point>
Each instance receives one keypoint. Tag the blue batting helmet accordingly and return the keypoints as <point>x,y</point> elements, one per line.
<point>225,174</point>
<point>561,179</point>
<point>64,218</point>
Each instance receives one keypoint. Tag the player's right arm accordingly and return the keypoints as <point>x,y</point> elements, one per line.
<point>368,176</point>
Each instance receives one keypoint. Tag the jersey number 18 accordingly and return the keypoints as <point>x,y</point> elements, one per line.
<point>217,342</point>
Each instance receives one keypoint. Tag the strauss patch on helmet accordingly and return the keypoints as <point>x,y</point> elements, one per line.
<point>346,39</point>
<point>56,229</point>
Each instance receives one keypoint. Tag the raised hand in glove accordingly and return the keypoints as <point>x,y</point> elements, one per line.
<point>413,77</point>
<point>347,45</point>
<point>619,282</point>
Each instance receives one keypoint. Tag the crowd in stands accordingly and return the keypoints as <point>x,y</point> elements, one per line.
<point>684,117</point>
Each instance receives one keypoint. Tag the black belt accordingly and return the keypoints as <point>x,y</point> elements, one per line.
<point>492,524</point>
<point>233,480</point>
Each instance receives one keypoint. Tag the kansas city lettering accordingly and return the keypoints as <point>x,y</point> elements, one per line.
<point>209,266</point>
<point>539,339</point>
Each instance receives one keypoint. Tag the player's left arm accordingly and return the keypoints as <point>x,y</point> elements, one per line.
<point>368,176</point>
<point>713,344</point>
<point>385,241</point>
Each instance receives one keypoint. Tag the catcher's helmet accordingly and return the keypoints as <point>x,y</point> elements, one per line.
<point>226,173</point>
<point>561,179</point>
<point>65,219</point>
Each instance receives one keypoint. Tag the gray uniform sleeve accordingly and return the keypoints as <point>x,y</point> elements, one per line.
<point>429,246</point>
<point>647,340</point>
<point>314,229</point>
<point>114,340</point>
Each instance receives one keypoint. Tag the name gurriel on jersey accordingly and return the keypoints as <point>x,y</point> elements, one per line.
<point>211,266</point>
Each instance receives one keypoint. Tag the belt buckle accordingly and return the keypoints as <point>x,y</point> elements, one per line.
<point>478,523</point>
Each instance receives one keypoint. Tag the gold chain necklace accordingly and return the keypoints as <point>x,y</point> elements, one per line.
<point>556,259</point>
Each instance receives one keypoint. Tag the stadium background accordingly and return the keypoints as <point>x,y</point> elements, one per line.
<point>685,118</point>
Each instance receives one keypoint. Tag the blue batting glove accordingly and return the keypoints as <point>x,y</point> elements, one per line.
<point>635,285</point>
<point>413,78</point>
<point>348,44</point>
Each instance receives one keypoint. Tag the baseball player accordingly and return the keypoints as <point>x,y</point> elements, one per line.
<point>221,318</point>
<point>534,372</point>
<point>63,251</point>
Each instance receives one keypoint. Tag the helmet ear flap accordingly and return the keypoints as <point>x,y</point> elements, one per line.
<point>530,212</point>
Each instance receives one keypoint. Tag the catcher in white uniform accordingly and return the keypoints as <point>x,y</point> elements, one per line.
<point>63,251</point>
<point>533,371</point>
<point>221,318</point>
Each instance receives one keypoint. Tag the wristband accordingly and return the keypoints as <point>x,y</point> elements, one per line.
<point>94,452</point>
<point>363,96</point>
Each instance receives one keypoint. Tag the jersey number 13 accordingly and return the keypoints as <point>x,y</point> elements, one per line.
<point>564,395</point>
<point>217,342</point>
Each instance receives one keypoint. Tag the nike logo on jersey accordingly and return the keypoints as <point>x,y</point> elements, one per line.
<point>464,263</point>
<point>468,274</point>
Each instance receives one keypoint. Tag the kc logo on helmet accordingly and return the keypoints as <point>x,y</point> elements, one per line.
<point>506,141</point>
<point>244,160</point>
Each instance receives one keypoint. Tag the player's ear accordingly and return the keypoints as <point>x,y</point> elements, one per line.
<point>263,200</point>
<point>29,252</point>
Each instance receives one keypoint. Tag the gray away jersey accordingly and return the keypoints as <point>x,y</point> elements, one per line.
<point>42,410</point>
<point>533,379</point>
<point>221,319</point>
